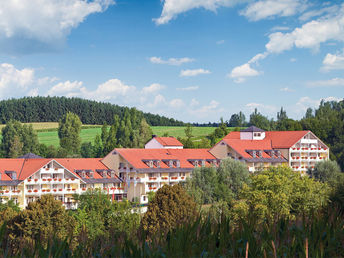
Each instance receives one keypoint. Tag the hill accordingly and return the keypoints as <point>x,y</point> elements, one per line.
<point>51,109</point>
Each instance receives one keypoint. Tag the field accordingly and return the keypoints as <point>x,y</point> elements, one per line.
<point>47,132</point>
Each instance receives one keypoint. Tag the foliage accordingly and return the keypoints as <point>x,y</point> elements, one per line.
<point>40,221</point>
<point>258,120</point>
<point>237,120</point>
<point>280,193</point>
<point>87,150</point>
<point>51,109</point>
<point>170,207</point>
<point>327,171</point>
<point>69,132</point>
<point>18,139</point>
<point>209,185</point>
<point>99,216</point>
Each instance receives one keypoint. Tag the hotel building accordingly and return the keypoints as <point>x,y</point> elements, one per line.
<point>133,173</point>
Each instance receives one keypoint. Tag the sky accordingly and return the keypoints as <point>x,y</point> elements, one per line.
<point>193,60</point>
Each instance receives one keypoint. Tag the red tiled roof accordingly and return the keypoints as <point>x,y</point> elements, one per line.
<point>83,164</point>
<point>27,167</point>
<point>136,157</point>
<point>279,139</point>
<point>168,141</point>
<point>240,146</point>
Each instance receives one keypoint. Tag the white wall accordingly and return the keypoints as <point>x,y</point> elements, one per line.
<point>246,135</point>
<point>153,144</point>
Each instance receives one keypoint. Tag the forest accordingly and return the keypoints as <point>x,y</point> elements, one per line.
<point>52,109</point>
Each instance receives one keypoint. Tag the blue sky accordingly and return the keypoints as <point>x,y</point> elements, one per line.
<point>194,60</point>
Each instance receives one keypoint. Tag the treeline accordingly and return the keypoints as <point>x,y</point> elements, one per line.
<point>52,109</point>
<point>326,122</point>
<point>130,131</point>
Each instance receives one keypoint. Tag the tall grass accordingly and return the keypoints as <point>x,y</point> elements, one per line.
<point>320,235</point>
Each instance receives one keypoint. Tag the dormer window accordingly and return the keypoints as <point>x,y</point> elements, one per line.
<point>170,163</point>
<point>178,164</point>
<point>151,164</point>
<point>203,163</point>
<point>196,163</point>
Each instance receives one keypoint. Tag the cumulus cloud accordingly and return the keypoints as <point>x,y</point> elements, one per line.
<point>240,73</point>
<point>176,103</point>
<point>279,28</point>
<point>45,22</point>
<point>204,111</point>
<point>194,72</point>
<point>318,12</point>
<point>65,88</point>
<point>172,8</point>
<point>311,34</point>
<point>153,88</point>
<point>220,42</point>
<point>191,88</point>
<point>335,82</point>
<point>13,81</point>
<point>171,61</point>
<point>333,61</point>
<point>272,8</point>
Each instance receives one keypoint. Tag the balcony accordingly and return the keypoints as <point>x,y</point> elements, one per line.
<point>174,178</point>
<point>9,192</point>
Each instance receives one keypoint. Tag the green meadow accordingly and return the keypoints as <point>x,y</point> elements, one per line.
<point>50,137</point>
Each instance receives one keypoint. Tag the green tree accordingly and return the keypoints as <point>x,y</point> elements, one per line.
<point>170,207</point>
<point>232,175</point>
<point>18,139</point>
<point>69,132</point>
<point>145,133</point>
<point>279,193</point>
<point>98,147</point>
<point>86,150</point>
<point>237,120</point>
<point>203,184</point>
<point>188,143</point>
<point>99,216</point>
<point>258,120</point>
<point>327,171</point>
<point>41,221</point>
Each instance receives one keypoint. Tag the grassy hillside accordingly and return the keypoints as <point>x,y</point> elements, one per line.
<point>50,137</point>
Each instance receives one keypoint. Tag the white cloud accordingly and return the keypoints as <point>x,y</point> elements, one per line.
<point>279,28</point>
<point>153,88</point>
<point>194,72</point>
<point>204,111</point>
<point>335,82</point>
<point>286,89</point>
<point>33,92</point>
<point>311,34</point>
<point>333,61</point>
<point>220,42</point>
<point>171,61</point>
<point>13,81</point>
<point>318,12</point>
<point>176,103</point>
<point>45,21</point>
<point>191,88</point>
<point>272,8</point>
<point>65,88</point>
<point>240,73</point>
<point>293,59</point>
<point>194,103</point>
<point>172,8</point>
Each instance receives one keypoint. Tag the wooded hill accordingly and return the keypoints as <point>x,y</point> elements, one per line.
<point>52,109</point>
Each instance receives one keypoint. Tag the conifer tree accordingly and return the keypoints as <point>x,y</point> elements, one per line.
<point>69,132</point>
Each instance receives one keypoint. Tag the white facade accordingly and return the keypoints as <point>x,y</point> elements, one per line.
<point>154,144</point>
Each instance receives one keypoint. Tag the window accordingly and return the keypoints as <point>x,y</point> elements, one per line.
<point>30,187</point>
<point>144,198</point>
